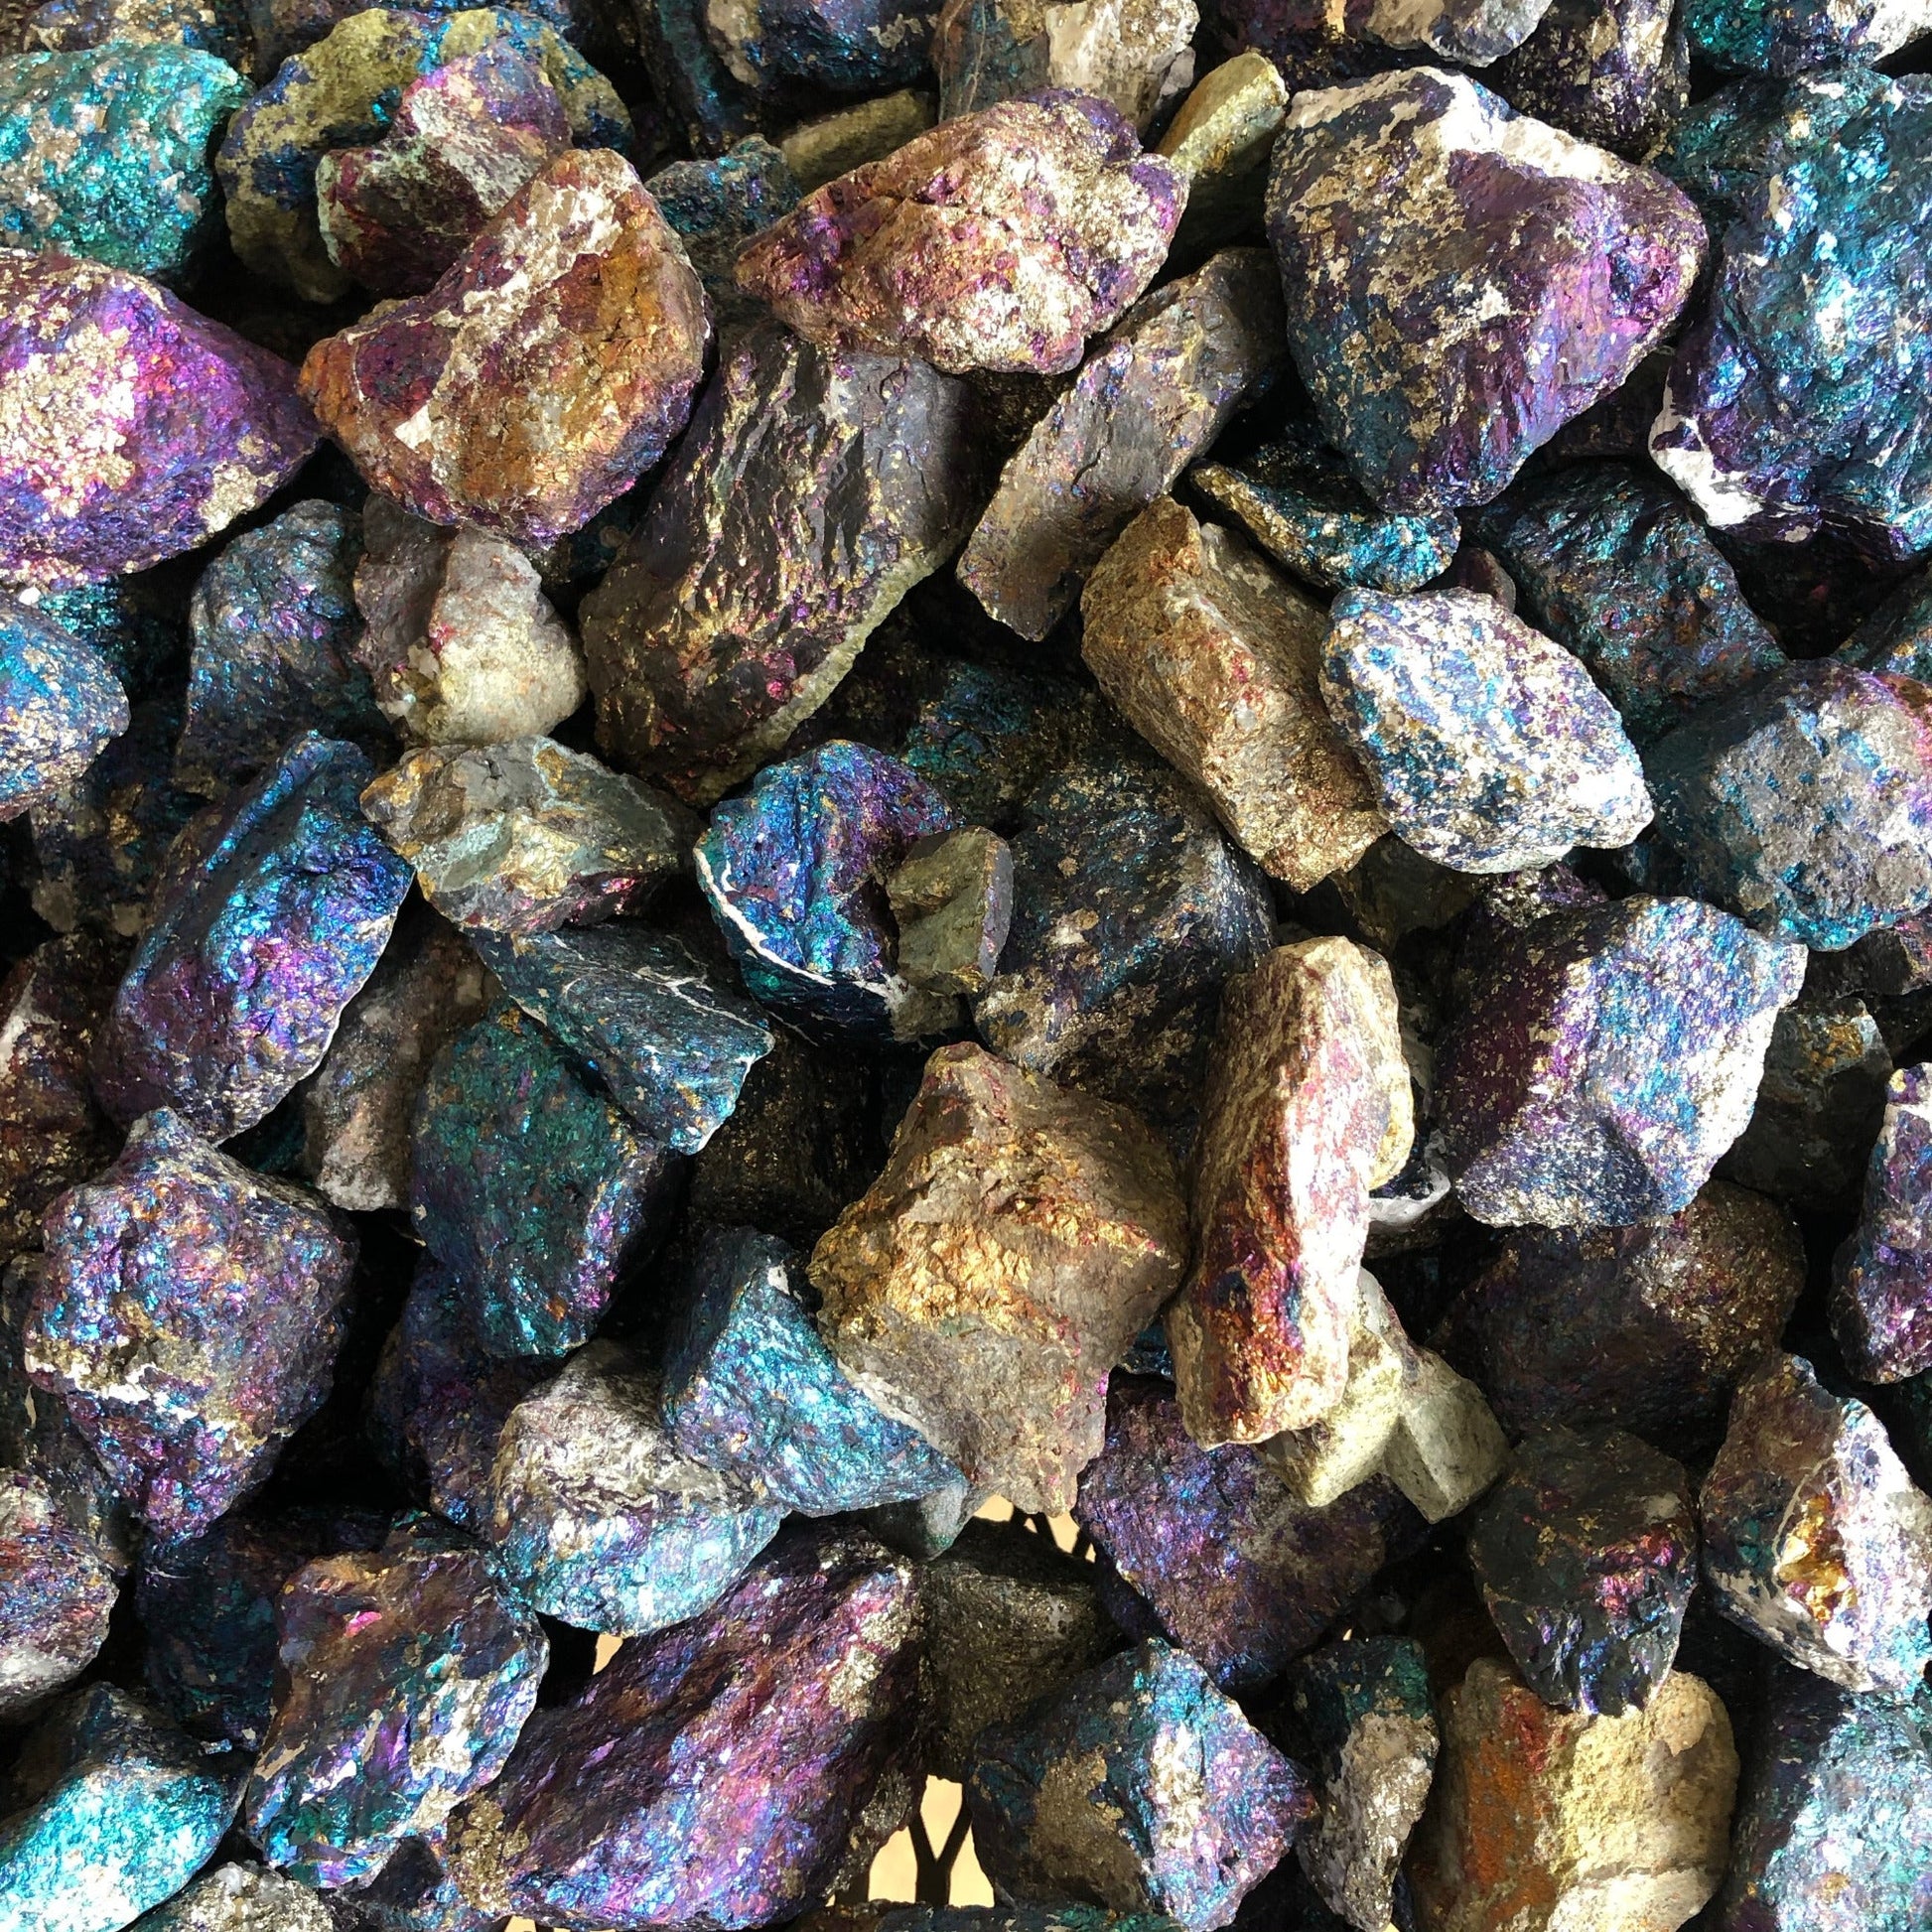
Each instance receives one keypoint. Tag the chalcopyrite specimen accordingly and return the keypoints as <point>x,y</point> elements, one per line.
<point>790,870</point>
<point>1486,744</point>
<point>1545,1819</point>
<point>1806,804</point>
<point>1020,1238</point>
<point>1001,240</point>
<point>737,605</point>
<point>1788,37</point>
<point>776,47</point>
<point>114,1811</point>
<point>56,1593</point>
<point>274,630</point>
<point>529,1185</point>
<point>1612,71</point>
<point>1604,1060</point>
<point>1141,1785</point>
<point>1776,419</point>
<point>1520,276</point>
<point>1365,1708</point>
<point>602,1519</point>
<point>104,153</point>
<point>67,26</point>
<point>551,363</point>
<point>527,836</point>
<point>718,205</point>
<point>1147,402</point>
<point>61,705</point>
<point>134,429</point>
<point>243,1898</point>
<point>1308,1107</point>
<point>262,933</point>
<point>830,145</point>
<point>189,1316</point>
<point>1622,574</point>
<point>1587,1552</point>
<point>409,1672</point>
<point>751,1389</point>
<point>460,641</point>
<point>718,1773</point>
<point>1215,1550</point>
<point>1815,1538</point>
<point>1881,1288</point>
<point>1220,140</point>
<point>951,896</point>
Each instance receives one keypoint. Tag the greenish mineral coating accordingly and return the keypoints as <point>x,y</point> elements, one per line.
<point>1789,37</point>
<point>718,206</point>
<point>105,153</point>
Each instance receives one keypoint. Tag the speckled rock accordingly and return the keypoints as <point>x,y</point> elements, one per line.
<point>57,1592</point>
<point>241,1898</point>
<point>780,48</point>
<point>718,1773</point>
<point>1790,37</point>
<point>1088,1794</point>
<point>547,367</point>
<point>264,928</point>
<point>951,896</point>
<point>1057,183</point>
<point>1881,1288</point>
<point>1606,1058</point>
<point>700,93</point>
<point>68,26</point>
<point>1220,139</point>
<point>1775,421</point>
<point>1486,744</point>
<point>1612,71</point>
<point>1543,1819</point>
<point>736,607</point>
<point>1815,1538</point>
<point>133,428</point>
<point>61,705</point>
<point>1133,54</point>
<point>716,205</point>
<point>1503,218</point>
<point>830,145</point>
<point>1018,1240</point>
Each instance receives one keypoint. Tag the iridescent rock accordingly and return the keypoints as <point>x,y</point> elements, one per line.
<point>717,206</point>
<point>1018,1240</point>
<point>262,933</point>
<point>699,92</point>
<point>1088,1794</point>
<point>790,870</point>
<point>1132,54</point>
<point>601,1518</point>
<point>1308,1106</point>
<point>1220,1556</point>
<point>1806,805</point>
<point>416,1893</point>
<point>736,607</point>
<point>829,145</point>
<point>1612,71</point>
<point>1365,1708</point>
<point>59,707</point>
<point>1815,1538</point>
<point>1606,1058</point>
<point>1787,37</point>
<point>1220,139</point>
<point>465,138</point>
<point>243,1898</point>
<point>548,366</point>
<point>67,26</point>
<point>751,1390</point>
<point>1213,657</point>
<point>1150,399</point>
<point>1486,744</point>
<point>1617,570</point>
<point>57,1592</point>
<point>133,428</point>
<point>1775,421</point>
<point>1544,1819</point>
<point>1881,1288</point>
<point>112,1811</point>
<point>275,631</point>
<point>1446,336</point>
<point>1054,222</point>
<point>951,896</point>
<point>1898,634</point>
<point>105,154</point>
<point>530,1186</point>
<point>776,48</point>
<point>527,836</point>
<point>408,1674</point>
<point>719,1773</point>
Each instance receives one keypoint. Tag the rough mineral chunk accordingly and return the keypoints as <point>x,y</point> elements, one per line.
<point>1089,1795</point>
<point>1898,634</point>
<point>830,145</point>
<point>717,206</point>
<point>1789,37</point>
<point>1606,1058</point>
<point>602,1519</point>
<point>952,901</point>
<point>1486,744</point>
<point>1018,1240</point>
<point>718,1773</point>
<point>60,704</point>
<point>1520,277</point>
<point>67,26</point>
<point>1156,393</point>
<point>262,933</point>
<point>774,47</point>
<point>1308,1107</point>
<point>1815,1538</point>
<point>1134,53</point>
<point>1806,805</point>
<point>1051,222</point>
<point>552,361</point>
<point>1612,71</point>
<point>738,605</point>
<point>57,1592</point>
<point>1220,140</point>
<point>243,1898</point>
<point>409,1672</point>
<point>1544,1819</point>
<point>1881,1292</point>
<point>133,429</point>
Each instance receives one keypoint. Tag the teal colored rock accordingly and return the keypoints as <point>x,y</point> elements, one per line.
<point>718,206</point>
<point>1785,36</point>
<point>105,153</point>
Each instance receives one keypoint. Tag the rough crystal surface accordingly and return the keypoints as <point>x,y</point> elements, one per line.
<point>61,705</point>
<point>1612,71</point>
<point>1882,1290</point>
<point>56,1593</point>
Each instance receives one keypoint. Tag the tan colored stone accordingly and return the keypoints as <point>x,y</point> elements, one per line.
<point>1223,135</point>
<point>830,145</point>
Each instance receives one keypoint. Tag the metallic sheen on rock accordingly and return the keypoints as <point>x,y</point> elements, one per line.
<point>1612,71</point>
<point>717,206</point>
<point>1881,1288</point>
<point>57,1592</point>
<point>241,1898</point>
<point>61,705</point>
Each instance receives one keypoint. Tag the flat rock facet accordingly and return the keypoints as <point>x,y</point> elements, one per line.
<point>952,901</point>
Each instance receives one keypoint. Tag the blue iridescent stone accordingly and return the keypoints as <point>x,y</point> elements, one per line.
<point>59,705</point>
<point>719,205</point>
